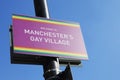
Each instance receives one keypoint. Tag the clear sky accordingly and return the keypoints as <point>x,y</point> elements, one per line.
<point>100,24</point>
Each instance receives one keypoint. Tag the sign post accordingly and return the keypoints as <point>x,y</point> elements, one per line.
<point>51,66</point>
<point>46,42</point>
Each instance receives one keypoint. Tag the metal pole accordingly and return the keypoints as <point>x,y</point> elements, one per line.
<point>51,66</point>
<point>41,8</point>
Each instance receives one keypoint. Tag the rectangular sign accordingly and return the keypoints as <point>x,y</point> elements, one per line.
<point>45,37</point>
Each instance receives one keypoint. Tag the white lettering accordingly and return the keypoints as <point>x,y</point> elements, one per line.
<point>36,39</point>
<point>48,34</point>
<point>57,42</point>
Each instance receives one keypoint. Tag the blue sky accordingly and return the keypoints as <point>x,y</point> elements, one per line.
<point>100,24</point>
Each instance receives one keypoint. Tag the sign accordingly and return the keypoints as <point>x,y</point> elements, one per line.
<point>45,37</point>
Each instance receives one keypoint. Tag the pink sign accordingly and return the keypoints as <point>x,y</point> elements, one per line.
<point>44,37</point>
